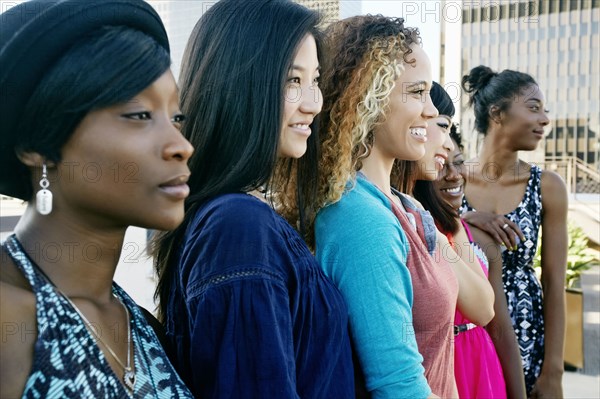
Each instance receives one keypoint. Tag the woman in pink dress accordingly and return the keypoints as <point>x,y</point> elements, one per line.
<point>477,369</point>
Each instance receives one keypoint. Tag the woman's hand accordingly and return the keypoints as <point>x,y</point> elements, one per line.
<point>503,230</point>
<point>547,387</point>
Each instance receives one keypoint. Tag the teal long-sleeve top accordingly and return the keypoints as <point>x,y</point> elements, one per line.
<point>362,247</point>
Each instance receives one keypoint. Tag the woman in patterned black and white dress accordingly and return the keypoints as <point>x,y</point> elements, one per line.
<point>90,113</point>
<point>511,199</point>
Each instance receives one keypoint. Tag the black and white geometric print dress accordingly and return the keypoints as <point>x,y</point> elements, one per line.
<point>67,361</point>
<point>521,286</point>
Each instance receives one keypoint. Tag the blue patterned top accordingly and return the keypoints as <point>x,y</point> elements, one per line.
<point>67,361</point>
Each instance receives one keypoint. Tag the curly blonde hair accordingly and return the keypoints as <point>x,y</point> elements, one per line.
<point>366,57</point>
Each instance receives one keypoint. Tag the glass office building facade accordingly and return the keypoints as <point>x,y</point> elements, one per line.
<point>557,42</point>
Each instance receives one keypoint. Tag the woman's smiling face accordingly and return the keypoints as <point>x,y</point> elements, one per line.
<point>437,148</point>
<point>402,134</point>
<point>451,182</point>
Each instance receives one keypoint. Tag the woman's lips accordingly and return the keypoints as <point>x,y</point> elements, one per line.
<point>180,191</point>
<point>452,190</point>
<point>419,134</point>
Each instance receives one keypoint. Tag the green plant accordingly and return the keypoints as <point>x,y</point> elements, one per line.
<point>579,256</point>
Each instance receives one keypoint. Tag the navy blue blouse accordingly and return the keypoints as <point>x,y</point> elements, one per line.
<point>251,314</point>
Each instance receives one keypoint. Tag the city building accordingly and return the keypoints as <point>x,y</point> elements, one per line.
<point>557,42</point>
<point>329,9</point>
<point>179,18</point>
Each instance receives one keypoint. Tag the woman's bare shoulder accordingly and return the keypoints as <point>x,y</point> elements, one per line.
<point>19,328</point>
<point>480,236</point>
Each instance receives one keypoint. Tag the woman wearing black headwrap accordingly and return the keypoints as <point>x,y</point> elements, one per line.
<point>90,113</point>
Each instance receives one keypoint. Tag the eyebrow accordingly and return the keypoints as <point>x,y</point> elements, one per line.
<point>534,99</point>
<point>299,68</point>
<point>418,83</point>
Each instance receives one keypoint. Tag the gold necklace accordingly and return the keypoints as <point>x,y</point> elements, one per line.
<point>129,373</point>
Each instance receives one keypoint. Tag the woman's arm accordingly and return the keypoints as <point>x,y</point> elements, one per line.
<point>500,328</point>
<point>364,253</point>
<point>18,319</point>
<point>238,324</point>
<point>241,340</point>
<point>475,295</point>
<point>554,260</point>
<point>19,334</point>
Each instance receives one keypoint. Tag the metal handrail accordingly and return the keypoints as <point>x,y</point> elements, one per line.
<point>576,171</point>
<point>586,168</point>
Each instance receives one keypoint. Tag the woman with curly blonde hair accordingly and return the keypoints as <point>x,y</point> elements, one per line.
<point>372,241</point>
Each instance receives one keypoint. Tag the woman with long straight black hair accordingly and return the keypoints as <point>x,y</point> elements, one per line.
<point>248,312</point>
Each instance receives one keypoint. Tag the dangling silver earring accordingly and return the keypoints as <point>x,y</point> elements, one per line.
<point>43,199</point>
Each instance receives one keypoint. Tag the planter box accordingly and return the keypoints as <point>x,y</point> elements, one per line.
<point>574,327</point>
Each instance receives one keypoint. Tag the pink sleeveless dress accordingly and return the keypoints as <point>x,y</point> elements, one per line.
<point>477,369</point>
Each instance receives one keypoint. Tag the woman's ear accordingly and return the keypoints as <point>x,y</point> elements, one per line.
<point>496,114</point>
<point>33,159</point>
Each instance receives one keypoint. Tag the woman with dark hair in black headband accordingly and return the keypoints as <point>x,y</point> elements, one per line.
<point>477,368</point>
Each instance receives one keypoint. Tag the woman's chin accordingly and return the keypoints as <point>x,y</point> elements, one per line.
<point>430,176</point>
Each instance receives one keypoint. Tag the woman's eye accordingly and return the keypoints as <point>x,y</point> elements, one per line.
<point>178,118</point>
<point>444,126</point>
<point>535,108</point>
<point>140,116</point>
<point>295,80</point>
<point>316,80</point>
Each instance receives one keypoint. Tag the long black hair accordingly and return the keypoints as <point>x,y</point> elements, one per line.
<point>232,83</point>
